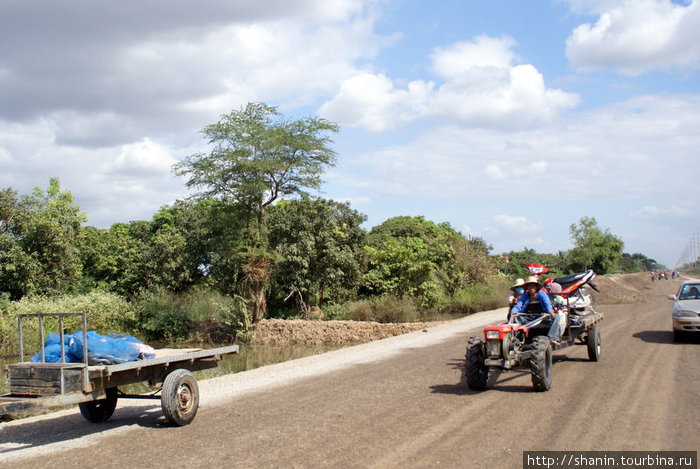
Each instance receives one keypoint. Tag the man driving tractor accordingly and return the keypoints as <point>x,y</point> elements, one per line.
<point>536,300</point>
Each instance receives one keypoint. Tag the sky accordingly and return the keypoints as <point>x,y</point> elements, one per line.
<point>509,119</point>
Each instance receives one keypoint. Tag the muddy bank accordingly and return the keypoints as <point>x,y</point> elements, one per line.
<point>311,332</point>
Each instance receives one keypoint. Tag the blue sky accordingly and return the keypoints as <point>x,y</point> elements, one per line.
<point>509,119</point>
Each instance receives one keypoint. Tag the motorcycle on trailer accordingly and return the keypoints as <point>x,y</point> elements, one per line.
<point>522,342</point>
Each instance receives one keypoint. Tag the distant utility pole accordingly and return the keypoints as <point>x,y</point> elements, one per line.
<point>690,258</point>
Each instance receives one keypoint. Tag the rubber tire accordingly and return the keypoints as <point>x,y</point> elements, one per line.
<point>593,343</point>
<point>476,373</point>
<point>179,397</point>
<point>100,410</point>
<point>541,363</point>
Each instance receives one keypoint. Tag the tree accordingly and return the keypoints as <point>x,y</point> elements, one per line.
<point>593,248</point>
<point>256,158</point>
<point>113,258</point>
<point>319,243</point>
<point>39,239</point>
<point>410,256</point>
<point>517,261</point>
<point>636,262</point>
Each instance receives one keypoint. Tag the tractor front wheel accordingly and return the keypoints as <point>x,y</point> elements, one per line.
<point>541,363</point>
<point>476,372</point>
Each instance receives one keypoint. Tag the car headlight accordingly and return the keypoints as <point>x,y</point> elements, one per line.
<point>685,314</point>
<point>493,334</point>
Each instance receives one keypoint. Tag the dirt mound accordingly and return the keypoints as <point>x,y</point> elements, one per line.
<point>623,288</point>
<point>299,331</point>
<point>614,289</point>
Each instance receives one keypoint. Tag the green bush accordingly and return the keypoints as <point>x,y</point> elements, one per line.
<point>335,312</point>
<point>217,317</point>
<point>200,315</point>
<point>162,316</point>
<point>107,313</point>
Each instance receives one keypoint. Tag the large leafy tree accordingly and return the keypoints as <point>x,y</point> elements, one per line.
<point>112,258</point>
<point>256,158</point>
<point>319,243</point>
<point>39,236</point>
<point>18,268</point>
<point>171,251</point>
<point>637,262</point>
<point>411,256</point>
<point>594,248</point>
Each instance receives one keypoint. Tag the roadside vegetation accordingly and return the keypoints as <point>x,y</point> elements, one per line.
<point>252,243</point>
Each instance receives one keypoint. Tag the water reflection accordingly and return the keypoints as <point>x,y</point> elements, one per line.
<point>248,358</point>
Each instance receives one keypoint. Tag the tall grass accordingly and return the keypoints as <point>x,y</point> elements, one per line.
<point>482,297</point>
<point>386,309</point>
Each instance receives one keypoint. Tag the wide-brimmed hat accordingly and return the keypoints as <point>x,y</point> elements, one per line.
<point>533,279</point>
<point>518,283</point>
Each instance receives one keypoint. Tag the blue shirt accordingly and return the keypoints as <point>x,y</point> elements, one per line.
<point>542,297</point>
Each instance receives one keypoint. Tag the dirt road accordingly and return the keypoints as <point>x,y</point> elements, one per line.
<point>401,405</point>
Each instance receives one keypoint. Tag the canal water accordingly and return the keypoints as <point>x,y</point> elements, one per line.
<point>249,357</point>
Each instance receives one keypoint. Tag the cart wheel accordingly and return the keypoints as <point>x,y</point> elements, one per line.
<point>101,409</point>
<point>180,397</point>
<point>541,363</point>
<point>593,342</point>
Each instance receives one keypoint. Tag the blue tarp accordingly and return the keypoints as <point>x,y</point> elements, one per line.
<point>102,349</point>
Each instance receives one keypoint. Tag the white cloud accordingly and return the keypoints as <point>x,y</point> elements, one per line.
<point>494,171</point>
<point>539,166</point>
<point>643,147</point>
<point>108,107</point>
<point>637,36</point>
<point>482,88</point>
<point>516,224</point>
<point>652,212</point>
<point>372,102</point>
<point>463,57</point>
<point>141,159</point>
<point>175,71</point>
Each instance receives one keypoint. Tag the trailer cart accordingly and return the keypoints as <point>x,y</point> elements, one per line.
<point>95,388</point>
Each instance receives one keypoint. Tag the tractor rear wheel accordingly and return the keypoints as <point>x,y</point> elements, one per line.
<point>593,343</point>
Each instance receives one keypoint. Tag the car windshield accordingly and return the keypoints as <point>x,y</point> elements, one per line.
<point>690,292</point>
